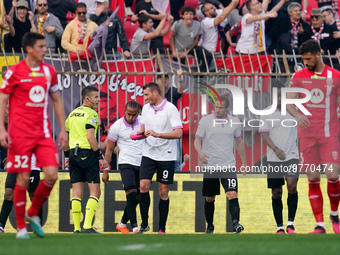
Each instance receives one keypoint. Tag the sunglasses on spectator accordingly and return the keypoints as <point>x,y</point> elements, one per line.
<point>315,16</point>
<point>80,13</point>
<point>40,5</point>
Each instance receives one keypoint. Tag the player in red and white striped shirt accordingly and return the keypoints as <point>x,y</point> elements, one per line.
<point>27,86</point>
<point>318,132</point>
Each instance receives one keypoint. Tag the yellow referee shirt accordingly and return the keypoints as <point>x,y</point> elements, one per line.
<point>77,123</point>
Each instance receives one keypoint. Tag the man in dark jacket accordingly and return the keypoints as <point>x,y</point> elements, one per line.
<point>286,33</point>
<point>115,28</point>
<point>60,8</point>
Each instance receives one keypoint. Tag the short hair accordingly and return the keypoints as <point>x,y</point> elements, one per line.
<point>292,6</point>
<point>133,105</point>
<point>88,90</point>
<point>160,77</point>
<point>143,19</point>
<point>310,46</point>
<point>81,5</point>
<point>204,8</point>
<point>329,10</point>
<point>152,86</point>
<point>30,38</point>
<point>225,100</point>
<point>188,8</point>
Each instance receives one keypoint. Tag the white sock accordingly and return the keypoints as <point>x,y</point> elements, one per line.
<point>134,229</point>
<point>290,223</point>
<point>122,225</point>
<point>334,213</point>
<point>321,224</point>
<point>280,228</point>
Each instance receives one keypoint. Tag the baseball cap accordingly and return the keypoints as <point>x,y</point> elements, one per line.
<point>22,3</point>
<point>102,1</point>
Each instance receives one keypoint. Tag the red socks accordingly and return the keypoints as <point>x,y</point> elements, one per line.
<point>40,195</point>
<point>19,199</point>
<point>333,190</point>
<point>315,199</point>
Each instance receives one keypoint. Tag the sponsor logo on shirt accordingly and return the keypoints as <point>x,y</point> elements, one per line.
<point>26,80</point>
<point>77,114</point>
<point>317,96</point>
<point>37,94</point>
<point>335,155</point>
<point>4,84</point>
<point>36,74</point>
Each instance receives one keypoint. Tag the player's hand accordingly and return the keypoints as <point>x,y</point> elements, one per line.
<point>103,163</point>
<point>62,140</point>
<point>105,176</point>
<point>150,132</point>
<point>49,29</point>
<point>5,140</point>
<point>280,154</point>
<point>303,121</point>
<point>67,163</point>
<point>203,158</point>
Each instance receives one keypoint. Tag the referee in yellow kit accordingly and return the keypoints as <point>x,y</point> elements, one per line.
<point>84,157</point>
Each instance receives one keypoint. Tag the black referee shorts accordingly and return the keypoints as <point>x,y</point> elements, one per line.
<point>130,176</point>
<point>11,180</point>
<point>165,170</point>
<point>279,171</point>
<point>84,167</point>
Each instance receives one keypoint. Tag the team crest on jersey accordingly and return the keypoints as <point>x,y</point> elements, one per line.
<point>329,82</point>
<point>37,94</point>
<point>335,155</point>
<point>94,121</point>
<point>8,74</point>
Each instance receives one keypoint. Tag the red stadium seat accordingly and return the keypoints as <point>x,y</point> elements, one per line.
<point>312,4</point>
<point>191,2</point>
<point>130,29</point>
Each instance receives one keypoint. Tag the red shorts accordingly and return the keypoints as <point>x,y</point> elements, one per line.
<point>316,151</point>
<point>20,153</point>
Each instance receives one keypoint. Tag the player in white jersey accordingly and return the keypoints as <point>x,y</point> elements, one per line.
<point>161,124</point>
<point>218,131</point>
<point>130,155</point>
<point>283,159</point>
<point>9,189</point>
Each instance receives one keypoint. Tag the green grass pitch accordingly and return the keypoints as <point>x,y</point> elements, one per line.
<point>84,244</point>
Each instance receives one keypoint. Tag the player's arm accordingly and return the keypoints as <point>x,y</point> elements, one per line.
<point>279,153</point>
<point>198,146</point>
<point>301,119</point>
<point>58,107</point>
<point>108,156</point>
<point>91,138</point>
<point>241,150</point>
<point>175,134</point>
<point>4,136</point>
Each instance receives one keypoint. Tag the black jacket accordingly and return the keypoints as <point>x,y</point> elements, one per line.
<point>281,35</point>
<point>116,28</point>
<point>327,42</point>
<point>60,8</point>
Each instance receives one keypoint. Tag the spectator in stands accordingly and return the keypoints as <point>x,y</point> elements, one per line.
<point>48,25</point>
<point>60,8</point>
<point>175,7</point>
<point>252,38</point>
<point>143,36</point>
<point>212,25</point>
<point>116,28</point>
<point>286,33</point>
<point>145,6</point>
<point>303,3</point>
<point>235,30</point>
<point>329,19</point>
<point>128,5</point>
<point>78,31</point>
<point>91,6</point>
<point>184,36</point>
<point>322,33</point>
<point>21,24</point>
<point>322,3</point>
